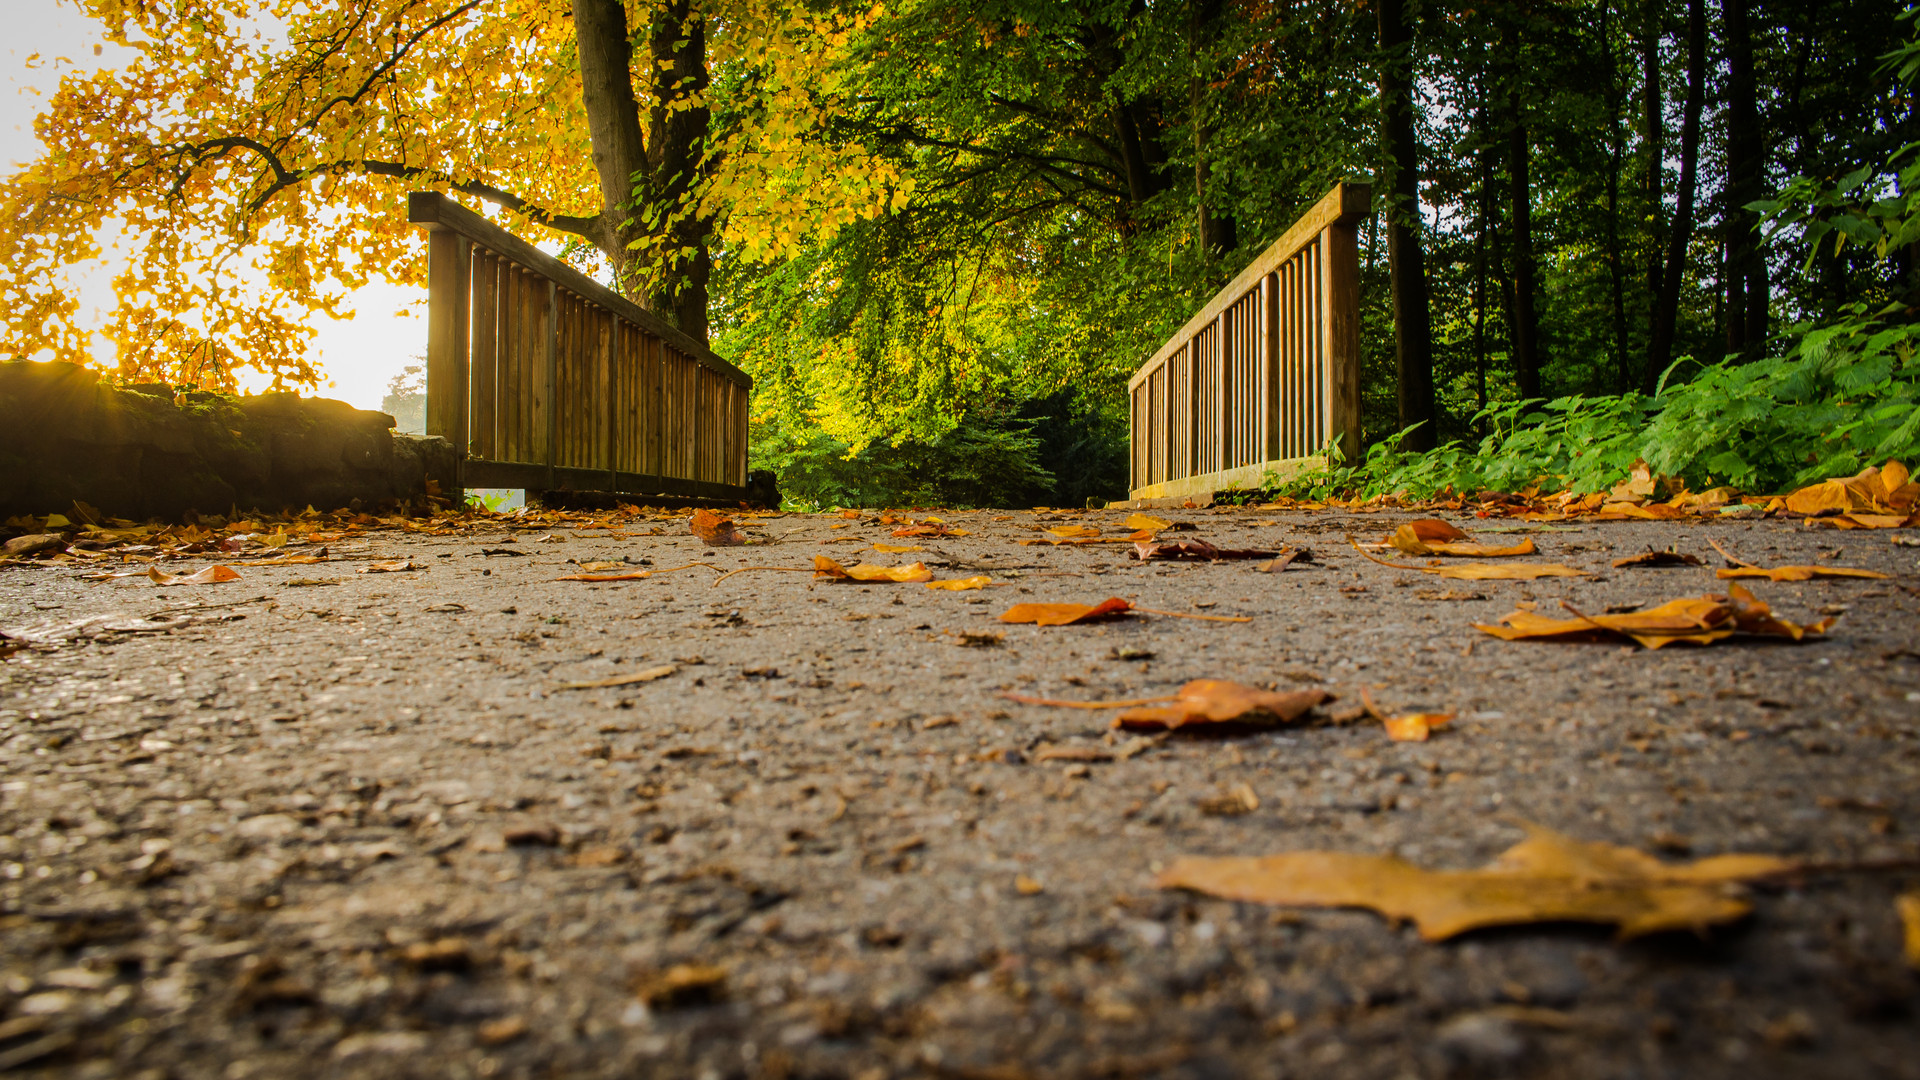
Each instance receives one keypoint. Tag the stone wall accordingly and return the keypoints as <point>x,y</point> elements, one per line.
<point>143,451</point>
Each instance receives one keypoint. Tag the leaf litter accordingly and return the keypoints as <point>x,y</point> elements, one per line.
<point>1698,620</point>
<point>1215,705</point>
<point>1480,571</point>
<point>1548,877</point>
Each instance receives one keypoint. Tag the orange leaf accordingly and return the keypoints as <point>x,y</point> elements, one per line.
<point>1699,620</point>
<point>714,530</point>
<point>1544,878</point>
<point>1219,702</point>
<point>929,530</point>
<point>1147,523</point>
<point>1066,614</point>
<point>1796,573</point>
<point>1481,571</point>
<point>1408,539</point>
<point>897,549</point>
<point>829,570</point>
<point>209,576</point>
<point>977,581</point>
<point>1415,727</point>
<point>1074,531</point>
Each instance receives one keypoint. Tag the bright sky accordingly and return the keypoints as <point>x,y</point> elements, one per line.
<point>357,356</point>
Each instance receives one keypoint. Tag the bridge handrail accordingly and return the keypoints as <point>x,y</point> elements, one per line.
<point>546,378</point>
<point>1266,372</point>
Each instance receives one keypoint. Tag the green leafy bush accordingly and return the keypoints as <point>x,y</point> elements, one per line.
<point>1845,395</point>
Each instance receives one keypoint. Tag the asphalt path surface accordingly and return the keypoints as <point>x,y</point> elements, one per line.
<point>362,824</point>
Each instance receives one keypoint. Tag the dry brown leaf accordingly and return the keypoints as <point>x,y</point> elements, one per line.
<point>825,569</point>
<point>1796,573</point>
<point>977,581</point>
<point>1066,614</point>
<point>1431,536</point>
<point>1481,571</point>
<point>649,675</point>
<point>1217,703</point>
<point>1908,904</point>
<point>1415,727</point>
<point>1194,550</point>
<point>1652,558</point>
<point>1547,877</point>
<point>212,575</point>
<point>1698,620</point>
<point>397,566</point>
<point>714,530</point>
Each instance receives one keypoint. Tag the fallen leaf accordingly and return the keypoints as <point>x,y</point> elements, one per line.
<point>1544,878</point>
<point>1027,886</point>
<point>825,569</point>
<point>683,984</point>
<point>289,560</point>
<point>1193,549</point>
<point>1414,727</point>
<point>211,575</point>
<point>1074,531</point>
<point>1795,573</point>
<point>898,549</point>
<point>592,567</point>
<point>1066,614</point>
<point>1699,620</point>
<point>1651,558</point>
<point>1481,571</point>
<point>714,529</point>
<point>1217,702</point>
<point>1240,800</point>
<point>21,546</point>
<point>1908,905</point>
<point>1148,522</point>
<point>928,530</point>
<point>977,581</point>
<point>1413,538</point>
<point>649,675</point>
<point>395,567</point>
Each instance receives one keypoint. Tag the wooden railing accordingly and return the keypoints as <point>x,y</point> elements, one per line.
<point>1267,374</point>
<point>548,380</point>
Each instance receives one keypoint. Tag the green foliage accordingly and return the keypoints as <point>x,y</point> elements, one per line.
<point>1846,395</point>
<point>976,463</point>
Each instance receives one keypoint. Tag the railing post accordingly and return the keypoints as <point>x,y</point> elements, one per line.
<point>447,263</point>
<point>1340,322</point>
<point>552,371</point>
<point>613,403</point>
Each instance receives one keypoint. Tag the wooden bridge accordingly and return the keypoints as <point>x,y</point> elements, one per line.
<point>1267,374</point>
<point>550,381</point>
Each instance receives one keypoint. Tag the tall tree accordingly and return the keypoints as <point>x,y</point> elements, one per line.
<point>1666,304</point>
<point>1746,273</point>
<point>1524,323</point>
<point>1407,271</point>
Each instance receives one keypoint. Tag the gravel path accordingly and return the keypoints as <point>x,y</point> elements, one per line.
<point>354,825</point>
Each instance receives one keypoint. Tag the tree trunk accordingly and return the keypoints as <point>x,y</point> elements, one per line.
<point>1653,138</point>
<point>1666,312</point>
<point>1616,160</point>
<point>613,125</point>
<point>1526,320</point>
<point>1746,276</point>
<point>676,139</point>
<point>1219,233</point>
<point>647,227</point>
<point>1412,325</point>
